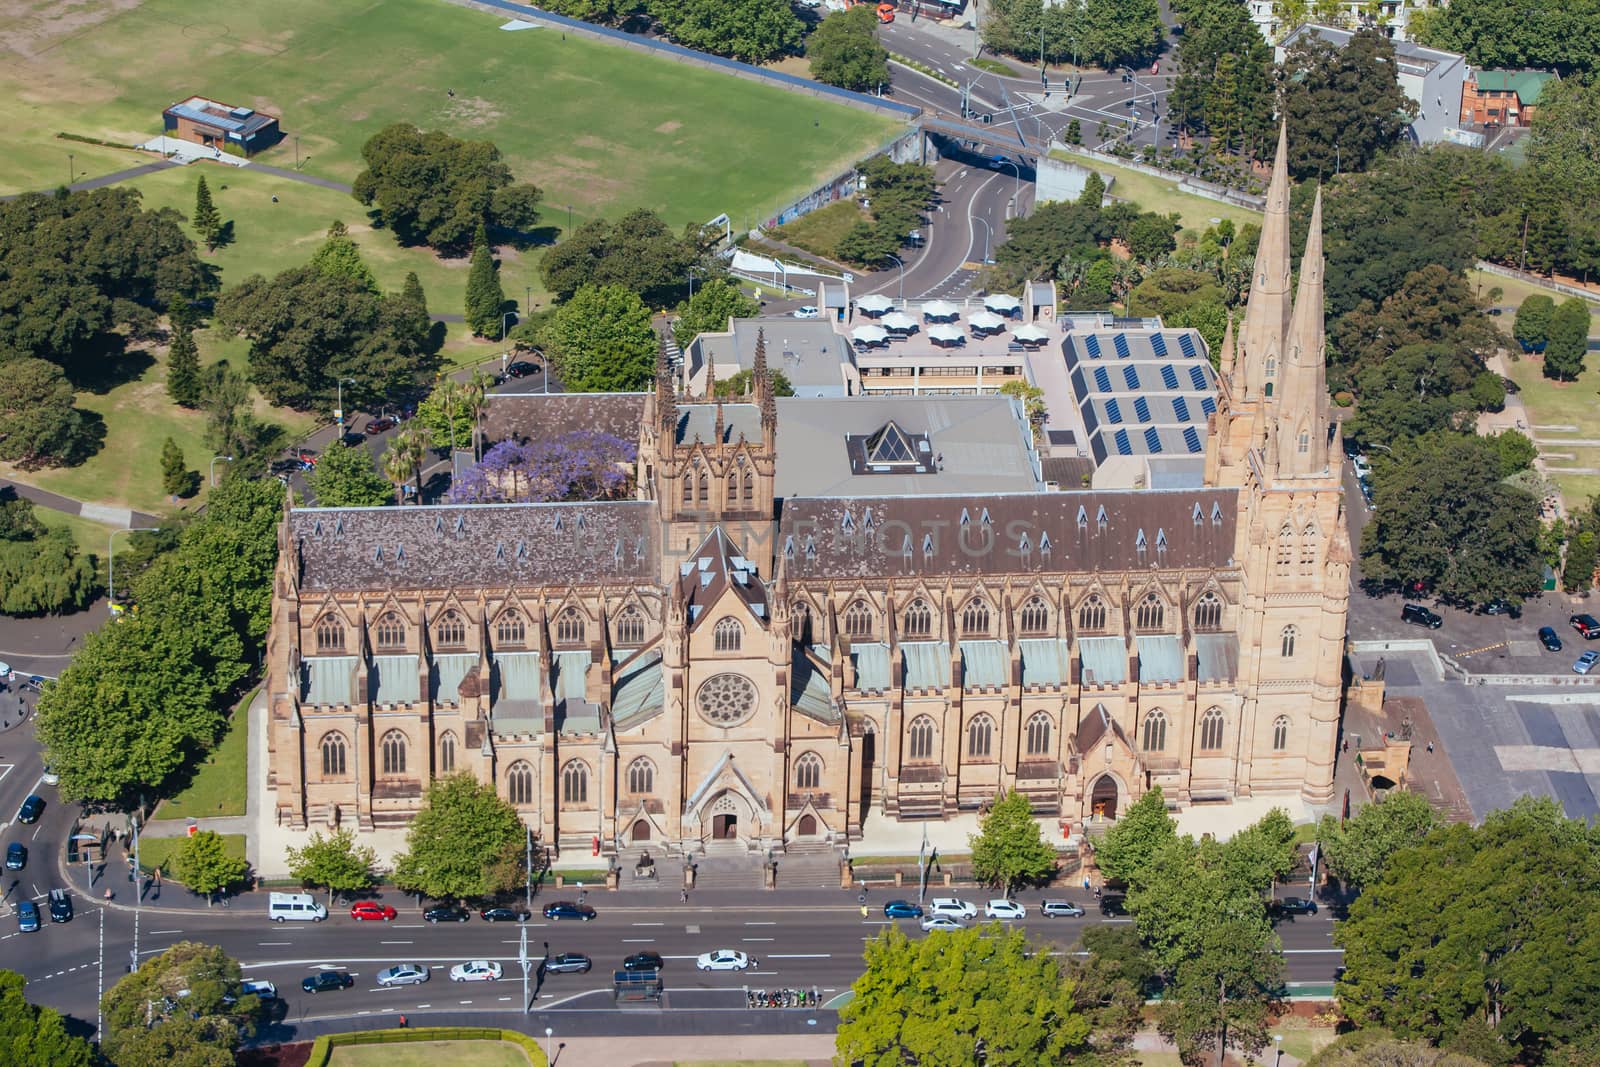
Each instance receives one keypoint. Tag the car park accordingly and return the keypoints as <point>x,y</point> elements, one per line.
<point>327,981</point>
<point>31,808</point>
<point>644,961</point>
<point>1549,639</point>
<point>503,915</point>
<point>1421,616</point>
<point>60,906</point>
<point>566,909</point>
<point>27,916</point>
<point>16,856</point>
<point>404,974</point>
<point>371,911</point>
<point>901,909</point>
<point>568,963</point>
<point>722,959</point>
<point>809,311</point>
<point>447,913</point>
<point>475,971</point>
<point>1113,904</point>
<point>1294,906</point>
<point>1584,665</point>
<point>260,987</point>
<point>942,922</point>
<point>1004,909</point>
<point>1584,623</point>
<point>951,906</point>
<point>1061,909</point>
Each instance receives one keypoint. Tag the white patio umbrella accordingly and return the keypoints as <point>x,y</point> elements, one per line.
<point>946,333</point>
<point>1001,302</point>
<point>875,304</point>
<point>940,309</point>
<point>1031,333</point>
<point>870,335</point>
<point>986,320</point>
<point>898,321</point>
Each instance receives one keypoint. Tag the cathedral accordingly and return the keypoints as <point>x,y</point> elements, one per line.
<point>815,610</point>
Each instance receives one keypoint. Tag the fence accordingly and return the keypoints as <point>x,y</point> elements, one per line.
<point>1537,279</point>
<point>901,148</point>
<point>322,1048</point>
<point>1186,183</point>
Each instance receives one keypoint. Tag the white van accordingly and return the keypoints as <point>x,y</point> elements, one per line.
<point>297,906</point>
<point>260,987</point>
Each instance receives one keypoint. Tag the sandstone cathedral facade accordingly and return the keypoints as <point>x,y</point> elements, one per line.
<point>714,660</point>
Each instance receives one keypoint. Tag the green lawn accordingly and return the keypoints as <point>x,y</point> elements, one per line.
<point>819,232</point>
<point>1162,195</point>
<point>429,1054</point>
<point>158,851</point>
<point>602,128</point>
<point>1551,404</point>
<point>219,784</point>
<point>90,536</point>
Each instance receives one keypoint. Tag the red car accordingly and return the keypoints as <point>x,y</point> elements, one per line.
<point>371,910</point>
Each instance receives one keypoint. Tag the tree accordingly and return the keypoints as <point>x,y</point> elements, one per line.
<point>1541,35</point>
<point>935,1001</point>
<point>711,308</point>
<point>1344,104</point>
<point>637,252</point>
<point>844,50</point>
<point>34,1036</point>
<point>335,863</point>
<point>433,189</point>
<point>176,477</point>
<point>1379,1048</point>
<point>867,244</point>
<point>1150,236</point>
<point>754,31</point>
<point>39,426</point>
<point>447,414</point>
<point>1224,85</point>
<point>485,298</point>
<point>183,368</point>
<point>1224,992</point>
<point>206,220</point>
<point>1031,398</point>
<point>1074,132</point>
<point>41,570</point>
<point>1112,976</point>
<point>742,384</point>
<point>454,841</point>
<point>1125,852</point>
<point>231,426</point>
<point>1166,291</point>
<point>1583,555</point>
<point>602,342</point>
<point>1358,849</point>
<point>202,863</point>
<point>340,257</point>
<point>403,460</point>
<point>346,477</point>
<point>1008,851</point>
<point>183,1008</point>
<point>580,465</point>
<point>1534,317</point>
<point>1097,33</point>
<point>1569,334</point>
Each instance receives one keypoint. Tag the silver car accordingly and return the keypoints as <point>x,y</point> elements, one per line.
<point>403,974</point>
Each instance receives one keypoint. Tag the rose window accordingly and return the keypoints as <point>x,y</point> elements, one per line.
<point>727,699</point>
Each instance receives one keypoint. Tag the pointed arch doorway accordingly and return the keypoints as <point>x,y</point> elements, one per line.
<point>1103,798</point>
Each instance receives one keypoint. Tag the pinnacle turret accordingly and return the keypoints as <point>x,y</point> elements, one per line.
<point>1302,398</point>
<point>1266,317</point>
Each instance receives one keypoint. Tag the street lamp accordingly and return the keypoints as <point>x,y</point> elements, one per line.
<point>211,475</point>
<point>111,564</point>
<point>72,169</point>
<point>503,318</point>
<point>987,235</point>
<point>902,276</point>
<point>569,219</point>
<point>691,283</point>
<point>1277,1049</point>
<point>1017,196</point>
<point>338,413</point>
<point>547,1034</point>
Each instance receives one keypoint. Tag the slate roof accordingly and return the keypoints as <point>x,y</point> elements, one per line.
<point>874,537</point>
<point>716,566</point>
<point>444,547</point>
<point>537,416</point>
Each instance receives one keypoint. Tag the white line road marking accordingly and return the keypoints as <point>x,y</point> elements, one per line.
<point>155,932</point>
<point>638,941</point>
<point>463,1002</point>
<point>273,944</point>
<point>649,924</point>
<point>761,924</point>
<point>424,1005</point>
<point>505,998</point>
<point>394,942</point>
<point>758,939</point>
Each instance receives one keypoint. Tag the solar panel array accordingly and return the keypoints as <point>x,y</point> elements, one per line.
<point>1092,343</point>
<point>1158,344</point>
<point>1152,440</point>
<point>1130,376</point>
<point>1169,377</point>
<point>1186,345</point>
<point>1150,427</point>
<point>1119,341</point>
<point>1113,411</point>
<point>1180,408</point>
<point>1124,446</point>
<point>1198,377</point>
<point>1141,408</point>
<point>1191,439</point>
<point>1208,405</point>
<point>1102,380</point>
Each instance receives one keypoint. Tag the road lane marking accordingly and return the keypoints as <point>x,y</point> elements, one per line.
<point>651,924</point>
<point>1310,951</point>
<point>394,942</point>
<point>638,941</point>
<point>154,932</point>
<point>758,939</point>
<point>274,944</point>
<point>762,924</point>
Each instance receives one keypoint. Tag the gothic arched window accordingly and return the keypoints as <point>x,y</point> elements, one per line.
<point>330,634</point>
<point>1308,550</point>
<point>1151,613</point>
<point>519,782</point>
<point>569,627</point>
<point>575,783</point>
<point>808,771</point>
<point>980,737</point>
<point>749,486</point>
<point>1285,548</point>
<point>975,619</point>
<point>1208,612</point>
<point>1092,614</point>
<point>858,621</point>
<point>921,737</point>
<point>728,635</point>
<point>1035,616</point>
<point>393,749</point>
<point>1211,730</point>
<point>511,629</point>
<point>641,777</point>
<point>447,753</point>
<point>919,619</point>
<point>630,626</point>
<point>705,487</point>
<point>688,489</point>
<point>451,631</point>
<point>333,750</point>
<point>1039,735</point>
<point>1289,634</point>
<point>391,631</point>
<point>1280,733</point>
<point>1155,731</point>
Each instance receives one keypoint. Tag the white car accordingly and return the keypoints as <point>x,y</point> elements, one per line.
<point>404,974</point>
<point>260,987</point>
<point>50,777</point>
<point>475,971</point>
<point>942,922</point>
<point>954,908</point>
<point>722,959</point>
<point>807,312</point>
<point>1004,909</point>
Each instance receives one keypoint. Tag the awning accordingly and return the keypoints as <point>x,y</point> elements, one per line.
<point>947,333</point>
<point>986,320</point>
<point>899,321</point>
<point>875,304</point>
<point>1031,333</point>
<point>1002,302</point>
<point>870,335</point>
<point>940,309</point>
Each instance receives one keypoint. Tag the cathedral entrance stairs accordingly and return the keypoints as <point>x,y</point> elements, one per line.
<point>728,872</point>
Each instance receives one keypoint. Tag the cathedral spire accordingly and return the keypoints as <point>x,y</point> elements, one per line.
<point>1266,317</point>
<point>666,398</point>
<point>1302,399</point>
<point>762,384</point>
<point>1226,357</point>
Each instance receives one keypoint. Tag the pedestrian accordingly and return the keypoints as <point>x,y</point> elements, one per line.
<point>1086,883</point>
<point>683,897</point>
<point>158,877</point>
<point>1347,744</point>
<point>402,1022</point>
<point>1097,892</point>
<point>863,911</point>
<point>108,892</point>
<point>1430,746</point>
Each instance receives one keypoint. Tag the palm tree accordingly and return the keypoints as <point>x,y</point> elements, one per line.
<point>404,459</point>
<point>476,398</point>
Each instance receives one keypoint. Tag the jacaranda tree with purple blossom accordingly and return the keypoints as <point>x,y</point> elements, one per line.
<point>581,465</point>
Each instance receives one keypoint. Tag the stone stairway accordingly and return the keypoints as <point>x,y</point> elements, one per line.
<point>669,872</point>
<point>818,869</point>
<point>727,872</point>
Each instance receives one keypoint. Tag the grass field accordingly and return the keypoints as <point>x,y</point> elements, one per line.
<point>158,851</point>
<point>819,231</point>
<point>602,128</point>
<point>1163,196</point>
<point>90,536</point>
<point>1553,404</point>
<point>219,784</point>
<point>430,1053</point>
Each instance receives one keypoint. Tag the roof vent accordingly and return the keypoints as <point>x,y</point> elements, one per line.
<point>966,518</point>
<point>1044,543</point>
<point>316,529</point>
<point>1216,514</point>
<point>522,551</point>
<point>905,549</point>
<point>1198,516</point>
<point>377,554</point>
<point>338,526</point>
<point>399,553</point>
<point>1100,519</point>
<point>461,524</point>
<point>438,524</point>
<point>558,526</point>
<point>1083,518</point>
<point>1161,537</point>
<point>1024,545</point>
<point>848,523</point>
<point>788,547</point>
<point>581,523</point>
<point>927,545</point>
<point>984,518</point>
<point>811,547</point>
<point>499,552</point>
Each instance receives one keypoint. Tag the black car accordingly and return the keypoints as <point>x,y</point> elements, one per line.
<point>1501,606</point>
<point>644,961</point>
<point>1585,624</point>
<point>60,906</point>
<point>447,913</point>
<point>353,438</point>
<point>1294,906</point>
<point>503,915</point>
<point>323,981</point>
<point>1549,639</point>
<point>566,909</point>
<point>16,856</point>
<point>568,963</point>
<point>1421,616</point>
<point>522,369</point>
<point>31,808</point>
<point>1113,904</point>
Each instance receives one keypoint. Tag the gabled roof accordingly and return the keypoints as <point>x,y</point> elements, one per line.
<point>1527,84</point>
<point>717,567</point>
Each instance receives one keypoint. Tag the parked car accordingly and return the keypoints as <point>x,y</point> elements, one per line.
<point>1004,909</point>
<point>951,906</point>
<point>16,856</point>
<point>901,909</point>
<point>809,311</point>
<point>942,922</point>
<point>49,777</point>
<point>1113,904</point>
<point>1584,623</point>
<point>566,909</point>
<point>1549,639</point>
<point>1000,162</point>
<point>377,426</point>
<point>1294,906</point>
<point>1061,909</point>
<point>644,961</point>
<point>722,959</point>
<point>568,963</point>
<point>1416,613</point>
<point>31,808</point>
<point>371,911</point>
<point>1501,606</point>
<point>352,438</point>
<point>60,906</point>
<point>1155,68</point>
<point>522,369</point>
<point>1584,665</point>
<point>404,974</point>
<point>263,989</point>
<point>447,913</point>
<point>503,915</point>
<point>324,981</point>
<point>475,971</point>
<point>27,916</point>
<point>886,13</point>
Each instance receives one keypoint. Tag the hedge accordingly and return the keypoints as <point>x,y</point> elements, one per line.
<point>322,1048</point>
